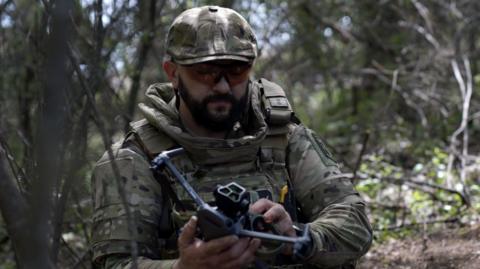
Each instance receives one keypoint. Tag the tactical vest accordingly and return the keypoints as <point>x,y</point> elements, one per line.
<point>263,178</point>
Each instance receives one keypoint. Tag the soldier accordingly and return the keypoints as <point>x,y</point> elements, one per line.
<point>232,129</point>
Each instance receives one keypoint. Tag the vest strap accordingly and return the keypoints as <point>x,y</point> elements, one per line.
<point>150,138</point>
<point>276,107</point>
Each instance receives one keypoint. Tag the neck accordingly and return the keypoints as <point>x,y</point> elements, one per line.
<point>193,127</point>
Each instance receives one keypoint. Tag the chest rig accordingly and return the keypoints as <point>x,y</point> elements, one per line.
<point>264,177</point>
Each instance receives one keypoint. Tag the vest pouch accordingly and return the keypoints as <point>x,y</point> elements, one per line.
<point>169,248</point>
<point>262,183</point>
<point>180,218</point>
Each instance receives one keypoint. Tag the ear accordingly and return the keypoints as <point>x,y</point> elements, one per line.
<point>171,70</point>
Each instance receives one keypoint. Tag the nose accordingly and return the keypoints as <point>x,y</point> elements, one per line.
<point>222,86</point>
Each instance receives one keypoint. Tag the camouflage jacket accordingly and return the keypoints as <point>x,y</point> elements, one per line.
<point>339,226</point>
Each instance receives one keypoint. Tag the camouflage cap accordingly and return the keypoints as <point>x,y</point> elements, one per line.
<point>210,33</point>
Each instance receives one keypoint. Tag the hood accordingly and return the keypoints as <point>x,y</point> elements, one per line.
<point>161,112</point>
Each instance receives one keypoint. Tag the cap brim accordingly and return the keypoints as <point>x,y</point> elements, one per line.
<point>214,58</point>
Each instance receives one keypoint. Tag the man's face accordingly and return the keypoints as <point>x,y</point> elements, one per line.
<point>215,92</point>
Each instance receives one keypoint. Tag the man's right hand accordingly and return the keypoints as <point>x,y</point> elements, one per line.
<point>224,252</point>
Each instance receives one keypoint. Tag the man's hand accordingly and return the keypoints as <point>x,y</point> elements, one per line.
<point>275,214</point>
<point>224,252</point>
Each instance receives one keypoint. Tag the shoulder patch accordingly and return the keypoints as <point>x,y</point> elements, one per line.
<point>321,149</point>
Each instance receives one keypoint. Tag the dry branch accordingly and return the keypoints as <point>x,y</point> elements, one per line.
<point>465,86</point>
<point>360,155</point>
<point>4,6</point>
<point>414,224</point>
<point>13,207</point>
<point>17,172</point>
<point>413,183</point>
<point>107,143</point>
<point>78,260</point>
<point>146,42</point>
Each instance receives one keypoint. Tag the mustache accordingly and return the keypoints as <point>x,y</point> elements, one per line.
<point>220,97</point>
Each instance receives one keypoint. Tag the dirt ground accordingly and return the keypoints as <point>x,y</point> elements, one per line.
<point>447,249</point>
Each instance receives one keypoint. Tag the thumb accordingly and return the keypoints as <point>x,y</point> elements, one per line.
<point>187,235</point>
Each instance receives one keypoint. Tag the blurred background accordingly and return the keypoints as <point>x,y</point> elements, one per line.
<point>392,86</point>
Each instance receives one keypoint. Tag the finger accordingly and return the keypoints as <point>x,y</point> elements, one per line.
<point>218,245</point>
<point>281,220</point>
<point>261,206</point>
<point>253,245</point>
<point>275,213</point>
<point>247,256</point>
<point>285,227</point>
<point>187,236</point>
<point>234,251</point>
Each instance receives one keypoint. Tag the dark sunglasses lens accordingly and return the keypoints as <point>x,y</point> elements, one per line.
<point>211,74</point>
<point>238,73</point>
<point>203,73</point>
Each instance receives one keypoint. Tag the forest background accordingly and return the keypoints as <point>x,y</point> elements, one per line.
<point>390,85</point>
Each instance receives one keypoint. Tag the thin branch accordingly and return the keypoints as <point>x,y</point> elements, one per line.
<point>423,32</point>
<point>4,6</point>
<point>465,110</point>
<point>76,258</point>
<point>74,164</point>
<point>414,224</point>
<point>424,13</point>
<point>475,115</point>
<point>458,76</point>
<point>120,13</point>
<point>107,142</point>
<point>269,32</point>
<point>408,101</point>
<point>412,183</point>
<point>466,89</point>
<point>16,170</point>
<point>376,204</point>
<point>366,136</point>
<point>80,261</point>
<point>13,207</point>
<point>146,42</point>
<point>81,216</point>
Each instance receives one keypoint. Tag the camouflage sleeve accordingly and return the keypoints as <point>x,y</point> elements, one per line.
<point>121,262</point>
<point>339,226</point>
<point>111,234</point>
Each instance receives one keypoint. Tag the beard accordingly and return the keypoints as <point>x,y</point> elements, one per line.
<point>217,119</point>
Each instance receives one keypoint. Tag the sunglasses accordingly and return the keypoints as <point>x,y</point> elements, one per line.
<point>210,74</point>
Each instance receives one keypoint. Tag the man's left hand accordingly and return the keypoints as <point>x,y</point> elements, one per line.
<point>275,214</point>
